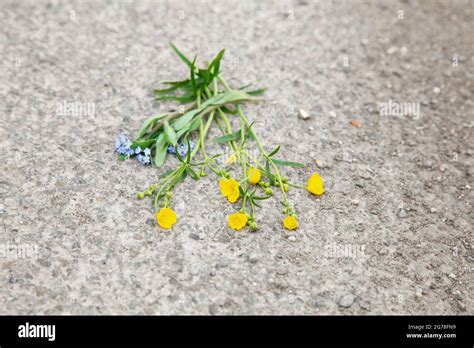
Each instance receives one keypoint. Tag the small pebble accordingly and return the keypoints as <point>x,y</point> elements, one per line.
<point>356,123</point>
<point>360,184</point>
<point>433,210</point>
<point>253,258</point>
<point>303,114</point>
<point>436,90</point>
<point>321,164</point>
<point>402,213</point>
<point>292,238</point>
<point>355,202</point>
<point>346,301</point>
<point>419,292</point>
<point>383,251</point>
<point>332,114</point>
<point>392,50</point>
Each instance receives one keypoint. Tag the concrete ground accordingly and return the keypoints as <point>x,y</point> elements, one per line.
<point>392,235</point>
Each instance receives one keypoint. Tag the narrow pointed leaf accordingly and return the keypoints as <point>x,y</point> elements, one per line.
<point>274,151</point>
<point>160,149</point>
<point>288,163</point>
<point>170,134</point>
<point>181,56</point>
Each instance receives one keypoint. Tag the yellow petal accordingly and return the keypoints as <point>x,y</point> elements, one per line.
<point>315,184</point>
<point>224,185</point>
<point>254,175</point>
<point>290,222</point>
<point>233,196</point>
<point>166,218</point>
<point>237,221</point>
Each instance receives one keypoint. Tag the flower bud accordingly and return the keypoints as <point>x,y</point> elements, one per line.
<point>147,193</point>
<point>253,225</point>
<point>284,179</point>
<point>202,174</point>
<point>268,191</point>
<point>140,195</point>
<point>169,194</point>
<point>285,187</point>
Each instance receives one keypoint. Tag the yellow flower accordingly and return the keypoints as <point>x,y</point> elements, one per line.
<point>254,175</point>
<point>290,222</point>
<point>166,218</point>
<point>315,184</point>
<point>232,159</point>
<point>237,221</point>
<point>230,189</point>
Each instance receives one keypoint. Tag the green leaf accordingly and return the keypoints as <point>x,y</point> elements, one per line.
<point>192,173</point>
<point>178,155</point>
<point>194,124</point>
<point>228,110</point>
<point>122,157</point>
<point>172,83</point>
<point>233,96</point>
<point>249,133</point>
<point>228,137</point>
<point>180,178</point>
<point>151,121</point>
<point>274,151</point>
<point>182,56</point>
<point>186,118</point>
<point>213,102</point>
<point>257,92</point>
<point>287,163</point>
<point>215,64</point>
<point>170,134</point>
<point>161,147</point>
<point>165,174</point>
<point>260,198</point>
<point>188,153</point>
<point>174,86</point>
<point>205,75</point>
<point>142,143</point>
<point>269,173</point>
<point>185,98</point>
<point>193,80</point>
<point>181,132</point>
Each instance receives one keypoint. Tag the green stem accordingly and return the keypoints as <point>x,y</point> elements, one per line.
<point>257,140</point>
<point>155,202</point>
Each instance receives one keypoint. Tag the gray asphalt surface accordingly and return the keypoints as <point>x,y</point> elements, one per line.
<point>392,234</point>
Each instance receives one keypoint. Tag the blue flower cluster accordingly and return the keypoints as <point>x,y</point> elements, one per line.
<point>143,158</point>
<point>123,147</point>
<point>182,149</point>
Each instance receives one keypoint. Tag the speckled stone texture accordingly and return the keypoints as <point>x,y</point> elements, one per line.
<point>392,234</point>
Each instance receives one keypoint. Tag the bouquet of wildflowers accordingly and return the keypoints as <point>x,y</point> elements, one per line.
<point>205,100</point>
